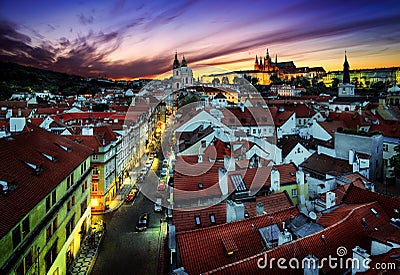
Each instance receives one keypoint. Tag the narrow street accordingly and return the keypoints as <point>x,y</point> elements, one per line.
<point>125,251</point>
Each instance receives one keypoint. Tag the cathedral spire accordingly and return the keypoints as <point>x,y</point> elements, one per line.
<point>267,55</point>
<point>176,61</point>
<point>184,62</point>
<point>346,71</point>
<point>276,60</point>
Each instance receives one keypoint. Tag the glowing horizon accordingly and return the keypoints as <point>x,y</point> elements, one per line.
<point>132,39</point>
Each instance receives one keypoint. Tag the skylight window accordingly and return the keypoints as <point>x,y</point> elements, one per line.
<point>198,221</point>
<point>212,218</point>
<point>200,185</point>
<point>375,212</point>
<point>65,148</point>
<point>49,157</point>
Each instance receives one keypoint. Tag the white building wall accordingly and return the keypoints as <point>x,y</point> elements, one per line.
<point>288,128</point>
<point>298,154</point>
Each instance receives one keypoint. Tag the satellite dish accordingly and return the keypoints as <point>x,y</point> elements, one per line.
<point>312,215</point>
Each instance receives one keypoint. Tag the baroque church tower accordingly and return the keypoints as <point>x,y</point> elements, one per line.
<point>182,74</point>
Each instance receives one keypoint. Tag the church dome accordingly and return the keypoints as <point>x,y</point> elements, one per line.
<point>394,89</point>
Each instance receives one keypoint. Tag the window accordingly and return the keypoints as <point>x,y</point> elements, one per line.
<point>53,197</point>
<point>254,131</point>
<point>51,229</point>
<point>25,227</point>
<point>71,203</point>
<point>198,221</point>
<point>84,186</point>
<point>70,226</point>
<point>385,147</point>
<point>48,204</point>
<point>212,219</point>
<point>51,256</point>
<point>294,193</point>
<point>95,186</point>
<point>95,157</point>
<point>70,181</point>
<point>83,207</point>
<point>16,236</point>
<point>25,264</point>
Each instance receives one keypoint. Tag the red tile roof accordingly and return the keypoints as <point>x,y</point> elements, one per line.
<point>280,118</point>
<point>386,233</point>
<point>324,164</point>
<point>357,195</point>
<point>185,220</point>
<point>203,249</point>
<point>348,233</point>
<point>252,116</point>
<point>30,188</point>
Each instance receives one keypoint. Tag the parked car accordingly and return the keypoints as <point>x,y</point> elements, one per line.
<point>157,205</point>
<point>131,196</point>
<point>143,222</point>
<point>143,171</point>
<point>163,172</point>
<point>161,185</point>
<point>148,164</point>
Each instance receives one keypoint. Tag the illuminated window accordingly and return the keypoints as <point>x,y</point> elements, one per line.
<point>198,221</point>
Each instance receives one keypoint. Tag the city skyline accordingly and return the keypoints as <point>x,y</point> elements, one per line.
<point>130,39</point>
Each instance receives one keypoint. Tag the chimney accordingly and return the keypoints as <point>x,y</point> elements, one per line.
<point>234,211</point>
<point>229,163</point>
<point>360,260</point>
<point>19,112</point>
<point>284,237</point>
<point>330,199</point>
<point>275,180</point>
<point>223,181</point>
<point>259,209</point>
<point>87,131</point>
<point>311,265</point>
<point>9,113</point>
<point>351,156</point>
<point>300,176</point>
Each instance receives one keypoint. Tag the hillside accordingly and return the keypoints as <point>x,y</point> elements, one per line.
<point>15,77</point>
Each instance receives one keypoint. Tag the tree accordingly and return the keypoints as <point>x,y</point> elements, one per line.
<point>335,83</point>
<point>225,80</point>
<point>395,162</point>
<point>275,80</point>
<point>254,81</point>
<point>355,82</point>
<point>216,82</point>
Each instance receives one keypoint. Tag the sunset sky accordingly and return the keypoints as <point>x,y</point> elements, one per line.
<point>132,39</point>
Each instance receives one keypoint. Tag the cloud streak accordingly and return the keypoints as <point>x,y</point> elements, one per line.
<point>136,40</point>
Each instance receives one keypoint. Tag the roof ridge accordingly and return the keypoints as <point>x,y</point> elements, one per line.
<point>237,221</point>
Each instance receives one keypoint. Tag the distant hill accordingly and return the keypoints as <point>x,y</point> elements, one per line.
<point>15,77</point>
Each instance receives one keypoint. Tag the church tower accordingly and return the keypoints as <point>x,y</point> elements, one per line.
<point>346,71</point>
<point>346,89</point>
<point>182,75</point>
<point>176,64</point>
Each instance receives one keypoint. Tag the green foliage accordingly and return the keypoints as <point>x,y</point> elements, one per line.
<point>360,133</point>
<point>395,161</point>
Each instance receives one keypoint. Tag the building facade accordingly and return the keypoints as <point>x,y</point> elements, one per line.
<point>44,207</point>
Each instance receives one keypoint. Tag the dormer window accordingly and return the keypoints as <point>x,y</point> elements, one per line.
<point>200,185</point>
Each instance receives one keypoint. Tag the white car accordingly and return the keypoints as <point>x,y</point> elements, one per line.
<point>157,205</point>
<point>143,171</point>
